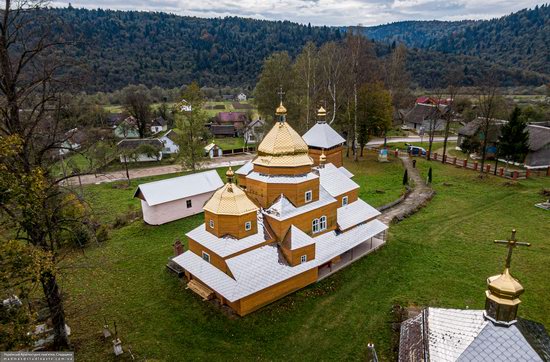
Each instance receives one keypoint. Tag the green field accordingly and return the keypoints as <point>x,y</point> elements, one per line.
<point>441,256</point>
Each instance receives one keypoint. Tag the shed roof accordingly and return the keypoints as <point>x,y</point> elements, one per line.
<point>177,188</point>
<point>322,135</point>
<point>222,129</point>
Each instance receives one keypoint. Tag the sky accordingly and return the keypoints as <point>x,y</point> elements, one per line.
<point>322,12</point>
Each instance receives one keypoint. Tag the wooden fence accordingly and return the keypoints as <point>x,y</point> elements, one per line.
<point>489,167</point>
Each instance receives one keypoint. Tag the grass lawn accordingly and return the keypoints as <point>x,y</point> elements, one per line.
<point>440,256</point>
<point>229,143</point>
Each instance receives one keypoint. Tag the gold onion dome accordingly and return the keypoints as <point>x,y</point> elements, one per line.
<point>505,286</point>
<point>230,199</point>
<point>281,110</point>
<point>229,174</point>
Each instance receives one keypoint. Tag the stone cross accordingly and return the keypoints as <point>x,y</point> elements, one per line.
<point>511,244</point>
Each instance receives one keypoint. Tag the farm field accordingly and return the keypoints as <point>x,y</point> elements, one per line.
<point>440,256</point>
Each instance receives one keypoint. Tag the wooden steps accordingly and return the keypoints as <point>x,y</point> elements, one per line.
<point>202,290</point>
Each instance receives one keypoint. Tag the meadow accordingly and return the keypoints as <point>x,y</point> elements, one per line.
<point>440,256</point>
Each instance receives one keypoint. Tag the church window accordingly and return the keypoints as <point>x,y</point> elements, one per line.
<point>309,196</point>
<point>315,226</point>
<point>211,224</point>
<point>189,204</point>
<point>303,258</point>
<point>206,256</point>
<point>344,201</point>
<point>323,223</point>
<point>248,225</point>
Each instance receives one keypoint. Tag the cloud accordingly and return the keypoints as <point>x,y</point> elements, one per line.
<point>322,12</point>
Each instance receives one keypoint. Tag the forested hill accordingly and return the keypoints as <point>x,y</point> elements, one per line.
<point>415,34</point>
<point>125,47</point>
<point>117,48</point>
<point>520,39</point>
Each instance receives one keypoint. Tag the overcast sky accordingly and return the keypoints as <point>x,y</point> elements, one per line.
<point>322,12</point>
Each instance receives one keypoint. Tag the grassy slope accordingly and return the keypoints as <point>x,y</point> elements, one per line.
<point>440,256</point>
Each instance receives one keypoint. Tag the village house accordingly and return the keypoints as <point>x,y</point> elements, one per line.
<point>294,225</point>
<point>323,139</point>
<point>158,124</point>
<point>176,198</point>
<point>472,131</point>
<point>168,140</point>
<point>140,150</point>
<point>74,139</point>
<point>237,119</point>
<point>496,333</point>
<point>254,132</point>
<point>241,97</point>
<point>425,117</point>
<point>127,128</point>
<point>539,145</point>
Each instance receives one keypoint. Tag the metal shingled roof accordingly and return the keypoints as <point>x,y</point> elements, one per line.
<point>322,135</point>
<point>177,188</point>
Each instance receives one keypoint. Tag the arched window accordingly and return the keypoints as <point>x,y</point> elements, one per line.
<point>323,223</point>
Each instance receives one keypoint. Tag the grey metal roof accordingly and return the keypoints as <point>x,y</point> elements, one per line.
<point>177,188</point>
<point>539,136</point>
<point>439,334</point>
<point>499,344</point>
<point>322,135</point>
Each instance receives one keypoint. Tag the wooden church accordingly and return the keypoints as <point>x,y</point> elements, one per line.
<point>293,219</point>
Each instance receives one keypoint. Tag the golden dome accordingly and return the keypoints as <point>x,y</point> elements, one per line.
<point>281,110</point>
<point>230,200</point>
<point>283,147</point>
<point>321,112</point>
<point>229,174</point>
<point>505,285</point>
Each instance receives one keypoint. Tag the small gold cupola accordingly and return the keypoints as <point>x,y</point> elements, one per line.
<point>229,174</point>
<point>503,290</point>
<point>321,115</point>
<point>280,112</point>
<point>322,159</point>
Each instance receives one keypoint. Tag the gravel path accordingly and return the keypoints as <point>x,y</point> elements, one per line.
<point>420,195</point>
<point>236,160</point>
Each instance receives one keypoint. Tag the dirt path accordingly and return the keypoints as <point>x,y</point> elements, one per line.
<point>158,170</point>
<point>420,195</point>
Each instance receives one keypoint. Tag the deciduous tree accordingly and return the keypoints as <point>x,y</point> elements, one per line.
<point>191,136</point>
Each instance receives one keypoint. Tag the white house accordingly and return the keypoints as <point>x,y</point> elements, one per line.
<point>241,97</point>
<point>72,142</point>
<point>175,198</point>
<point>254,131</point>
<point>137,150</point>
<point>170,147</point>
<point>158,124</point>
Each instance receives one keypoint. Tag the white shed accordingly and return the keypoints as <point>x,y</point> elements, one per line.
<point>176,198</point>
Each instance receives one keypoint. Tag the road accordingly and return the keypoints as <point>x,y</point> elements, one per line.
<point>235,160</point>
<point>380,141</point>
